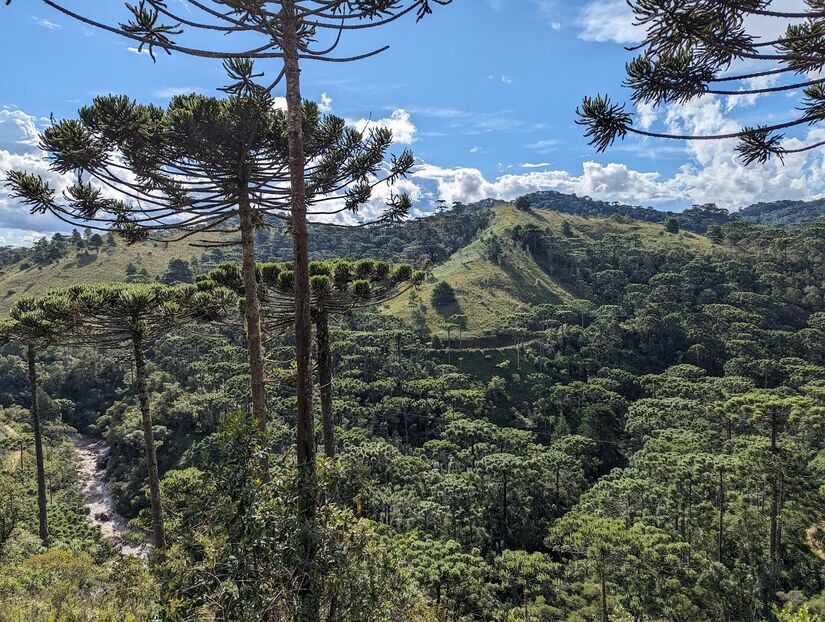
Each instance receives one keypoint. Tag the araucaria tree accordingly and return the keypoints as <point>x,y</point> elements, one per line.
<point>693,48</point>
<point>33,329</point>
<point>287,32</point>
<point>338,288</point>
<point>207,167</point>
<point>132,316</point>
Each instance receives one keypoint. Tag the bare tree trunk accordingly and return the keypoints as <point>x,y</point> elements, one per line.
<point>603,582</point>
<point>149,440</point>
<point>252,316</point>
<point>38,450</point>
<point>309,606</point>
<point>721,512</point>
<point>322,339</point>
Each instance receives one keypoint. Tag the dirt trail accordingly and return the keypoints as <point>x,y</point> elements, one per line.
<point>98,499</point>
<point>810,532</point>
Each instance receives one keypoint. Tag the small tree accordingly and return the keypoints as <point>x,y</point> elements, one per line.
<point>339,287</point>
<point>117,315</point>
<point>523,203</point>
<point>672,225</point>
<point>33,329</point>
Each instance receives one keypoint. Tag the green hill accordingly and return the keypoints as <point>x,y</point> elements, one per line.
<point>108,264</point>
<point>490,285</point>
<point>785,213</point>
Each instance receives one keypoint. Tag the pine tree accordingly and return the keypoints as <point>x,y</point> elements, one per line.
<point>115,316</point>
<point>209,168</point>
<point>338,287</point>
<point>30,327</point>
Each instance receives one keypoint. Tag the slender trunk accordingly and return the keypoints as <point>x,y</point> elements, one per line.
<point>252,318</point>
<point>38,450</point>
<point>774,541</point>
<point>721,512</point>
<point>322,339</point>
<point>603,582</point>
<point>309,605</point>
<point>149,440</point>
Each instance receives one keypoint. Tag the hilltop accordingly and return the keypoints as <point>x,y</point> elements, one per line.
<point>509,267</point>
<point>476,249</point>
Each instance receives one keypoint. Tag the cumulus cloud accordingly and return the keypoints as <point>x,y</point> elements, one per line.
<point>325,105</point>
<point>614,181</point>
<point>18,131</point>
<point>400,122</point>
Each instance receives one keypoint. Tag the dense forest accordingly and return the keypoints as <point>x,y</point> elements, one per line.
<point>651,448</point>
<point>280,364</point>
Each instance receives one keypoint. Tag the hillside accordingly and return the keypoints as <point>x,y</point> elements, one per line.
<point>488,289</point>
<point>108,264</point>
<point>785,213</point>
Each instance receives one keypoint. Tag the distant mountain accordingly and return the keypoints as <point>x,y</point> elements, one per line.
<point>784,213</point>
<point>696,219</point>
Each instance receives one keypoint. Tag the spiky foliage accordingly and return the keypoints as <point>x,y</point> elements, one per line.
<point>30,326</point>
<point>693,48</point>
<point>160,25</point>
<point>129,315</point>
<point>338,288</point>
<point>188,168</point>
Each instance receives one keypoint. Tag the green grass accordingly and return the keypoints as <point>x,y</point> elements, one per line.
<point>487,291</point>
<point>108,265</point>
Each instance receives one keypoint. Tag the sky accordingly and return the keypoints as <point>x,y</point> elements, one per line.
<point>483,91</point>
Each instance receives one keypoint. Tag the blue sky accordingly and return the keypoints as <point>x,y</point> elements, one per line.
<point>483,91</point>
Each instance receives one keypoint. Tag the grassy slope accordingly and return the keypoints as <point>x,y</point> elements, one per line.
<point>486,291</point>
<point>107,266</point>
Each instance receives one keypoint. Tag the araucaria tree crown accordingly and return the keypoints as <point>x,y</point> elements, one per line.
<point>707,47</point>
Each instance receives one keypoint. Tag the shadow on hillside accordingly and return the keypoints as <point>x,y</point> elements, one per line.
<point>446,311</point>
<point>83,260</point>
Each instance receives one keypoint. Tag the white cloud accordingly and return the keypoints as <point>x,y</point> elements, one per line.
<point>325,105</point>
<point>44,23</point>
<point>139,52</point>
<point>648,115</point>
<point>18,131</point>
<point>535,165</point>
<point>544,146</point>
<point>400,122</point>
<point>475,149</point>
<point>614,181</point>
<point>609,20</point>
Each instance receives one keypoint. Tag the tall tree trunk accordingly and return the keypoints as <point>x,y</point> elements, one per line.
<point>309,606</point>
<point>38,449</point>
<point>603,582</point>
<point>149,440</point>
<point>322,339</point>
<point>774,541</point>
<point>721,512</point>
<point>252,316</point>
